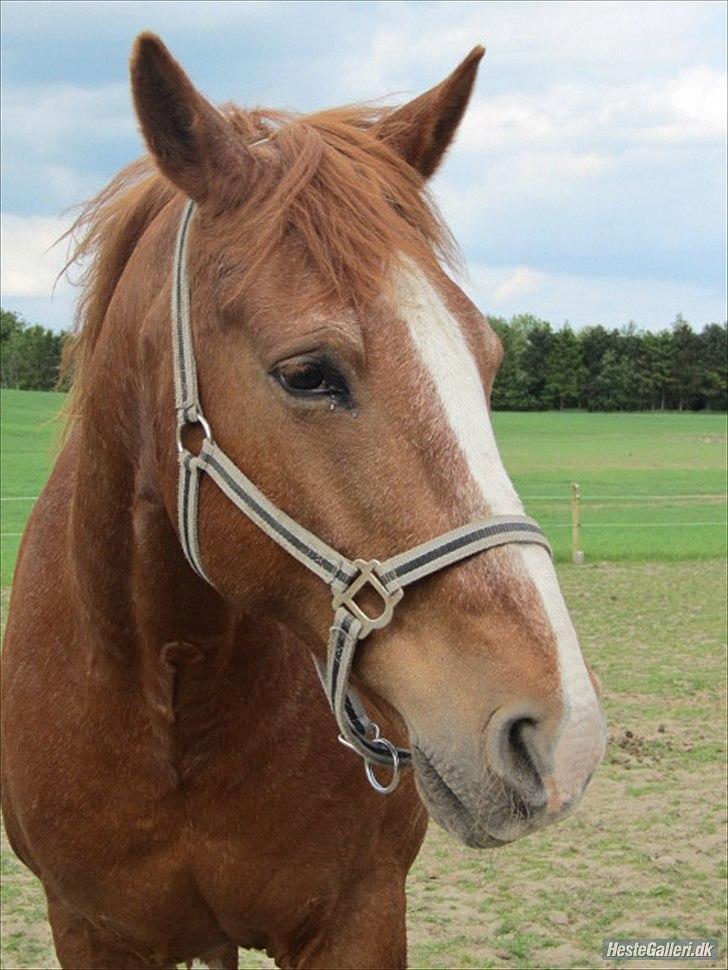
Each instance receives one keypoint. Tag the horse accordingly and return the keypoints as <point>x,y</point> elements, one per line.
<point>172,772</point>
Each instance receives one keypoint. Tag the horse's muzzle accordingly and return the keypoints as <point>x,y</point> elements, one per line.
<point>506,795</point>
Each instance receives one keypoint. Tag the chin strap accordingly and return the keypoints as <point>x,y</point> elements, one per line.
<point>346,578</point>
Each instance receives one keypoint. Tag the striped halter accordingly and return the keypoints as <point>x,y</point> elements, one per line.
<point>345,577</point>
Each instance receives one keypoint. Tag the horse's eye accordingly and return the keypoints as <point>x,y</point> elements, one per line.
<point>312,377</point>
<point>303,376</point>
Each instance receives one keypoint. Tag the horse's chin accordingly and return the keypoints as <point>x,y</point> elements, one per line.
<point>495,816</point>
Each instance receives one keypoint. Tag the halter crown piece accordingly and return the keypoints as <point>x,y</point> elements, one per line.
<point>345,577</point>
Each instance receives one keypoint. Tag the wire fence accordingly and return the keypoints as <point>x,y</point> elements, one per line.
<point>623,497</point>
<point>524,498</point>
<point>565,499</point>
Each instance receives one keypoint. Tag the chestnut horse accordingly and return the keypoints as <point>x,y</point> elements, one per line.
<point>171,767</point>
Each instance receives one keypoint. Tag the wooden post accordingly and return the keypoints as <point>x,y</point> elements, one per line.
<point>577,553</point>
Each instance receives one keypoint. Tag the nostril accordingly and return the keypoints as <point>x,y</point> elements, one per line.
<point>516,751</point>
<point>520,749</point>
<point>514,756</point>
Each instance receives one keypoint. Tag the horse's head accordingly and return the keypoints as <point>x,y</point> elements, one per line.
<point>349,378</point>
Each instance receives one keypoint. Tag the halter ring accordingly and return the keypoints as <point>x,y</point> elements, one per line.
<point>394,780</point>
<point>185,423</point>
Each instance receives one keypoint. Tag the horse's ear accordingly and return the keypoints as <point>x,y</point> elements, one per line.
<point>192,143</point>
<point>421,130</point>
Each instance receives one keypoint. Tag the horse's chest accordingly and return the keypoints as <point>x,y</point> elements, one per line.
<point>264,891</point>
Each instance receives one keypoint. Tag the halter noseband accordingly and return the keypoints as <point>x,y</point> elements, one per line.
<point>345,577</point>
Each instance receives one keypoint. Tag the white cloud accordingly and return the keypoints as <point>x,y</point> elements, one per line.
<point>508,191</point>
<point>30,261</point>
<point>45,118</point>
<point>689,106</point>
<point>520,282</point>
<point>68,183</point>
<point>109,17</point>
<point>584,300</point>
<point>696,99</point>
<point>623,40</point>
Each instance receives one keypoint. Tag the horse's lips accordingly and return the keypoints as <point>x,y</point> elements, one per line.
<point>446,807</point>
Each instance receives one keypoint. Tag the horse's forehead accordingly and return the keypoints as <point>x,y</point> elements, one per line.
<point>279,326</point>
<point>382,330</point>
<point>429,306</point>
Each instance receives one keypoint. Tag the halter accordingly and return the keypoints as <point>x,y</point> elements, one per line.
<point>346,578</point>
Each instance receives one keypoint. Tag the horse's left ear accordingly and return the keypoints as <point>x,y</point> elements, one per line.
<point>421,130</point>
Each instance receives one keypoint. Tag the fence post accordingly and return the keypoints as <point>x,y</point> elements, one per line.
<point>577,553</point>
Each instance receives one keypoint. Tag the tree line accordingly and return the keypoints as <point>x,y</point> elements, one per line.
<point>543,368</point>
<point>597,369</point>
<point>30,355</point>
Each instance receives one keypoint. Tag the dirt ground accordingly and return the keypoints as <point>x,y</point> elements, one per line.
<point>645,853</point>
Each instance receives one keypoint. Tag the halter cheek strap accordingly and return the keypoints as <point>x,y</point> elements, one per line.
<point>346,578</point>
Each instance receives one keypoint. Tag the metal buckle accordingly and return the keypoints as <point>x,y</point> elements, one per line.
<point>368,573</point>
<point>181,425</point>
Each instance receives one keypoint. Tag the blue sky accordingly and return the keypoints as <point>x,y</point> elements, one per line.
<point>587,182</point>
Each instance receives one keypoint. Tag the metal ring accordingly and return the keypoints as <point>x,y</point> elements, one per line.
<point>204,424</point>
<point>201,419</point>
<point>394,781</point>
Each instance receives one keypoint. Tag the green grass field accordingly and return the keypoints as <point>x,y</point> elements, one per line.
<point>653,485</point>
<point>644,855</point>
<point>29,436</point>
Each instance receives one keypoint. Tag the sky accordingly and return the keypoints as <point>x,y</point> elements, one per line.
<point>587,182</point>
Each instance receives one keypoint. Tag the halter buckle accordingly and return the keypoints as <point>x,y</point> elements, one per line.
<point>368,574</point>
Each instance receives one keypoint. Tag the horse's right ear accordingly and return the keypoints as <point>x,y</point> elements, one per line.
<point>190,140</point>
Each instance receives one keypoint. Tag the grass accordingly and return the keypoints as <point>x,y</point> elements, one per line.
<point>645,853</point>
<point>29,437</point>
<point>653,485</point>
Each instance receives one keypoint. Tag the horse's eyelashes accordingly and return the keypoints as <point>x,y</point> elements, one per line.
<point>312,377</point>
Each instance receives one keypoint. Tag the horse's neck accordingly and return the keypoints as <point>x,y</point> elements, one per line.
<point>163,637</point>
<point>184,661</point>
<point>137,591</point>
<point>158,635</point>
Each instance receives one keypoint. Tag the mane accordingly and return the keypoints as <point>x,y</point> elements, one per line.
<point>323,182</point>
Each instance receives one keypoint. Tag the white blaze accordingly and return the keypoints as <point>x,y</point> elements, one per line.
<point>446,356</point>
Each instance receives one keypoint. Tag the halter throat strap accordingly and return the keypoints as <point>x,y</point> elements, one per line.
<point>346,578</point>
